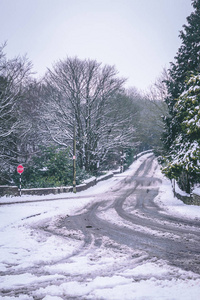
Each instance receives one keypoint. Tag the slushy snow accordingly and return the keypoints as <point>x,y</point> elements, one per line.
<point>41,265</point>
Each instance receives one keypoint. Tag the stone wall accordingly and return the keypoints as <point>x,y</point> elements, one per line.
<point>196,199</point>
<point>14,191</point>
<point>46,191</point>
<point>8,190</point>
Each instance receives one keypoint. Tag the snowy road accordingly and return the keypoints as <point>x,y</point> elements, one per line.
<point>139,223</point>
<point>126,238</point>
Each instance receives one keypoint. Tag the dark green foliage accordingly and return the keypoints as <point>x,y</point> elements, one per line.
<point>184,154</point>
<point>181,137</point>
<point>51,167</point>
<point>187,60</point>
<point>129,158</point>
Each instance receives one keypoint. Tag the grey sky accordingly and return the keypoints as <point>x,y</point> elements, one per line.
<point>139,37</point>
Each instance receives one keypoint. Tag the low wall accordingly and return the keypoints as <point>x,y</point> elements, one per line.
<point>142,153</point>
<point>87,183</point>
<point>14,191</point>
<point>8,190</point>
<point>46,191</point>
<point>106,176</point>
<point>185,199</point>
<point>196,199</point>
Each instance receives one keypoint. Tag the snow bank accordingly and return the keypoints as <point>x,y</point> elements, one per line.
<point>39,265</point>
<point>172,205</point>
<point>196,191</point>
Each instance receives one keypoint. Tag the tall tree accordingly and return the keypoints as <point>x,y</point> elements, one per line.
<point>148,111</point>
<point>184,154</point>
<point>187,60</point>
<point>80,93</point>
<point>158,91</point>
<point>30,132</point>
<point>181,139</point>
<point>14,74</point>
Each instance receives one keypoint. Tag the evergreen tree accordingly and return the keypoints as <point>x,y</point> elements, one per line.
<point>187,60</point>
<point>181,137</point>
<point>184,154</point>
<point>50,167</point>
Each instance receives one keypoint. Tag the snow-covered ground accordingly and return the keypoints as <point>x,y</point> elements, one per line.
<point>35,264</point>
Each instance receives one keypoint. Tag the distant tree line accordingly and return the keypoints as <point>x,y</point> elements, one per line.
<point>38,119</point>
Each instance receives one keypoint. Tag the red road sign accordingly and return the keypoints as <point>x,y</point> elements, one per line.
<point>20,169</point>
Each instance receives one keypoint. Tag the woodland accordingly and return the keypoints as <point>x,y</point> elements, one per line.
<point>83,105</point>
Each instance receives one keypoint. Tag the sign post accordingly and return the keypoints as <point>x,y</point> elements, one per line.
<point>20,170</point>
<point>74,159</point>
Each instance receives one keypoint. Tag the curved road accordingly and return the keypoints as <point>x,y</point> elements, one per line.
<point>128,215</point>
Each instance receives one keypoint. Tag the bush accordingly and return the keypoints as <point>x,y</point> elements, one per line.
<point>52,167</point>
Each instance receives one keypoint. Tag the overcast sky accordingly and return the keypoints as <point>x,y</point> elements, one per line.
<point>139,37</point>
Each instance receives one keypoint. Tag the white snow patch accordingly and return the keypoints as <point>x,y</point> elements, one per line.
<point>171,204</point>
<point>35,262</point>
<point>196,191</point>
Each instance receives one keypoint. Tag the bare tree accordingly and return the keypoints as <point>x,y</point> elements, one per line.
<point>31,133</point>
<point>148,119</point>
<point>14,74</point>
<point>82,93</point>
<point>159,91</point>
